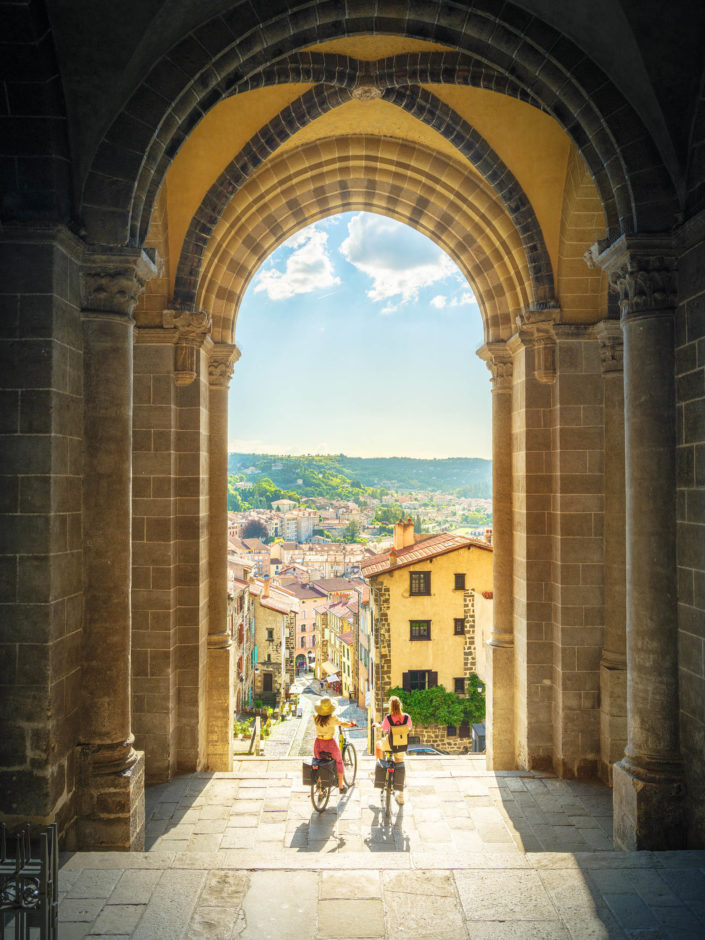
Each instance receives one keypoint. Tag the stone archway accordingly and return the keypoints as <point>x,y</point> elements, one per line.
<point>150,465</point>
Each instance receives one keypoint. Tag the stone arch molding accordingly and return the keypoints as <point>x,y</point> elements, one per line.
<point>525,53</point>
<point>421,105</point>
<point>436,195</point>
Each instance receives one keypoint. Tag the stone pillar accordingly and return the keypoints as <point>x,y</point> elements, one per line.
<point>500,682</point>
<point>111,793</point>
<point>648,781</point>
<point>533,368</point>
<point>613,664</point>
<point>221,650</point>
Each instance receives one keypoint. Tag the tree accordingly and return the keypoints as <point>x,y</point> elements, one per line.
<point>254,529</point>
<point>351,532</point>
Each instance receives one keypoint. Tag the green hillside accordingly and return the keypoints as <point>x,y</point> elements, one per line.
<point>341,477</point>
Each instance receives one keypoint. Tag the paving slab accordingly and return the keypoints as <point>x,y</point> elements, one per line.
<point>471,854</point>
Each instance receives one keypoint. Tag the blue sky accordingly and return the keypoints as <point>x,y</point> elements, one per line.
<point>358,336</point>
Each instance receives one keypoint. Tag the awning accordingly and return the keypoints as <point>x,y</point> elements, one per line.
<point>334,678</point>
<point>328,668</point>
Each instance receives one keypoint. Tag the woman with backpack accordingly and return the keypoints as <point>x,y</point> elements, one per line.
<point>397,725</point>
<point>326,723</point>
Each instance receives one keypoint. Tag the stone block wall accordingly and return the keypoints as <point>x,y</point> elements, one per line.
<point>191,455</point>
<point>437,736</point>
<point>41,551</point>
<point>576,525</point>
<point>533,612</point>
<point>154,548</point>
<point>690,430</point>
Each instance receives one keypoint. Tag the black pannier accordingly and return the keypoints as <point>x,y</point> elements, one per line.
<point>319,767</point>
<point>381,768</point>
<point>399,776</point>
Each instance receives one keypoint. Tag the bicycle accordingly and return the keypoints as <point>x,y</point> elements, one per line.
<point>387,789</point>
<point>320,788</point>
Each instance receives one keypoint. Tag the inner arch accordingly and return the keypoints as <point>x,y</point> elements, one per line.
<point>411,184</point>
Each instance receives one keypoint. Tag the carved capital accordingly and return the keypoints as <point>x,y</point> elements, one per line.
<point>499,361</point>
<point>611,339</point>
<point>193,328</point>
<point>221,364</point>
<point>536,328</point>
<point>643,272</point>
<point>192,325</point>
<point>113,279</point>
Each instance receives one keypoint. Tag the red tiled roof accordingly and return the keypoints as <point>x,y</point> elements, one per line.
<point>346,637</point>
<point>420,551</point>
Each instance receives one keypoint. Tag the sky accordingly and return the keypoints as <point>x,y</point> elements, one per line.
<point>358,336</point>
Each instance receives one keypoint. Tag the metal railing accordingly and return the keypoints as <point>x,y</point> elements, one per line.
<point>29,886</point>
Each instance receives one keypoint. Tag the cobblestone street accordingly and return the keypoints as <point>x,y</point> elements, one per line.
<point>471,854</point>
<point>295,736</point>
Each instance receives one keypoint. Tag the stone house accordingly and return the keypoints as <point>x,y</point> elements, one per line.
<point>275,630</point>
<point>423,605</point>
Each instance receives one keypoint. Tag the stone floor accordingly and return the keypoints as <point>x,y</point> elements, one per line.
<point>471,854</point>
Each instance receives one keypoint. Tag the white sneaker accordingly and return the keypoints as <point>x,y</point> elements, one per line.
<point>399,797</point>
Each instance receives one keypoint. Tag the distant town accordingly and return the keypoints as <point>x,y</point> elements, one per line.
<point>305,574</point>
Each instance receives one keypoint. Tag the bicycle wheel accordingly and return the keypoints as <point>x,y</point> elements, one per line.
<point>320,794</point>
<point>387,796</point>
<point>349,765</point>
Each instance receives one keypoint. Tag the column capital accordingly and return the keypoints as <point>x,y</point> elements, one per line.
<point>498,360</point>
<point>221,363</point>
<point>112,279</point>
<point>536,328</point>
<point>193,329</point>
<point>611,339</point>
<point>642,271</point>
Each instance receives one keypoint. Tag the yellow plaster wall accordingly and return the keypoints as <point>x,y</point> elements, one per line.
<point>210,147</point>
<point>444,652</point>
<point>484,614</point>
<point>531,144</point>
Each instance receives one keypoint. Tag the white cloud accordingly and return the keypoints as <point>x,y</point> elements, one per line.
<point>439,301</point>
<point>397,259</point>
<point>308,268</point>
<point>466,298</point>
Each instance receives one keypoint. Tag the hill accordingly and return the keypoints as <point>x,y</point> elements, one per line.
<point>336,475</point>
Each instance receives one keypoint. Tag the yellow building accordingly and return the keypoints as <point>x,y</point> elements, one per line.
<point>423,595</point>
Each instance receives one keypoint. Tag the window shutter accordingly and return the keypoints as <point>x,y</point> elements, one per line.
<point>432,680</point>
<point>464,730</point>
<point>406,682</point>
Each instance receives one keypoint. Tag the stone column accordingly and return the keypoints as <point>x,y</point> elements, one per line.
<point>500,683</point>
<point>111,793</point>
<point>221,650</point>
<point>613,664</point>
<point>648,781</point>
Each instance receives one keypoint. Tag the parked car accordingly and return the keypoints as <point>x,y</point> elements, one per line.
<point>424,750</point>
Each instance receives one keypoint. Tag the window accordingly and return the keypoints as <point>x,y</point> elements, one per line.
<point>417,679</point>
<point>451,731</point>
<point>458,626</point>
<point>303,642</point>
<point>459,582</point>
<point>459,685</point>
<point>419,629</point>
<point>270,635</point>
<point>419,582</point>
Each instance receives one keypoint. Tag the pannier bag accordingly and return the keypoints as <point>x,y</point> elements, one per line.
<point>324,768</point>
<point>399,776</point>
<point>382,767</point>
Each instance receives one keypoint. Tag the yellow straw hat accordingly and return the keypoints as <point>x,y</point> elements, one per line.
<point>326,706</point>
